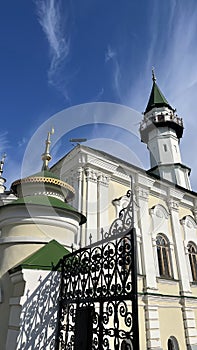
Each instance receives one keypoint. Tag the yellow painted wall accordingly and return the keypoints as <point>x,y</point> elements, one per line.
<point>194,290</point>
<point>184,211</point>
<point>171,326</point>
<point>168,288</point>
<point>154,200</point>
<point>116,191</point>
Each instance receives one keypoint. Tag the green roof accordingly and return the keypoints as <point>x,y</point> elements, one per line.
<point>156,99</point>
<point>47,201</point>
<point>46,258</point>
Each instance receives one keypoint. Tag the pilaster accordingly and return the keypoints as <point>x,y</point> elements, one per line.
<point>173,205</point>
<point>15,310</point>
<point>143,221</point>
<point>185,289</point>
<point>91,204</point>
<point>189,324</point>
<point>103,203</point>
<point>152,325</point>
<point>78,201</point>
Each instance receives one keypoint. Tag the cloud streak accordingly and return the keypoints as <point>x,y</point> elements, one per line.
<point>172,50</point>
<point>112,56</point>
<point>176,65</point>
<point>53,24</point>
<point>4,143</point>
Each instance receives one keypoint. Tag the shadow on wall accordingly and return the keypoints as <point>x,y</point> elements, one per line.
<point>39,315</point>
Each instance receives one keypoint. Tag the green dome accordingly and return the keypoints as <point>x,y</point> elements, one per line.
<point>47,201</point>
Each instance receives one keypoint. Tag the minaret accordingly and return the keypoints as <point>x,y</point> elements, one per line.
<point>2,180</point>
<point>161,129</point>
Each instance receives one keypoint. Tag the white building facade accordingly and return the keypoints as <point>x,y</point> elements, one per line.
<point>165,218</point>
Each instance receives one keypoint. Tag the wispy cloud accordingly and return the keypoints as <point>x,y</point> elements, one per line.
<point>4,142</point>
<point>172,50</point>
<point>175,54</point>
<point>22,142</point>
<point>112,56</point>
<point>98,96</point>
<point>109,54</point>
<point>54,25</point>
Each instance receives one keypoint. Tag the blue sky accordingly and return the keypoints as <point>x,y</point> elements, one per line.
<point>58,54</point>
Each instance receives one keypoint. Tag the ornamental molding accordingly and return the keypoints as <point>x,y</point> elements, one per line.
<point>103,179</point>
<point>142,193</point>
<point>160,211</point>
<point>50,194</point>
<point>160,298</point>
<point>145,181</point>
<point>189,222</point>
<point>173,205</point>
<point>101,164</point>
<point>91,175</point>
<point>121,202</point>
<point>40,179</point>
<point>158,190</point>
<point>188,303</point>
<point>79,174</point>
<point>76,174</point>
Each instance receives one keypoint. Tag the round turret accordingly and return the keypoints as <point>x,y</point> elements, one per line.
<point>40,213</point>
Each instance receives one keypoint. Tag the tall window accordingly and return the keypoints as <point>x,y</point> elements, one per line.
<point>193,259</point>
<point>173,344</point>
<point>163,254</point>
<point>126,345</point>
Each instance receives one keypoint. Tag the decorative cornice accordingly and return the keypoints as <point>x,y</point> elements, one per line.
<point>43,179</point>
<point>175,194</point>
<point>108,165</point>
<point>145,181</point>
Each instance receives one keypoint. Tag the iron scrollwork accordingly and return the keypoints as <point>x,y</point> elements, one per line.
<point>124,222</point>
<point>102,279</point>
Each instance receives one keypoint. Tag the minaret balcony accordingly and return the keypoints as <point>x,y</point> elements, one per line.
<point>158,120</point>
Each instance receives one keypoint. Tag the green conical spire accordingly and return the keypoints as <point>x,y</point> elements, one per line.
<point>156,99</point>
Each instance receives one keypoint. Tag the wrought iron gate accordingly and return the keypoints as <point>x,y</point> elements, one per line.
<point>98,298</point>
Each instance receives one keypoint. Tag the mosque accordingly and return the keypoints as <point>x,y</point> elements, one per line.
<point>44,217</point>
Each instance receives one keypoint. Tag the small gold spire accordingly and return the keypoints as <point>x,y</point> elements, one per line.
<point>2,163</point>
<point>46,157</point>
<point>153,75</point>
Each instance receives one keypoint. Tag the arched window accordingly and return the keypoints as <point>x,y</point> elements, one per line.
<point>126,345</point>
<point>193,259</point>
<point>173,344</point>
<point>163,254</point>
